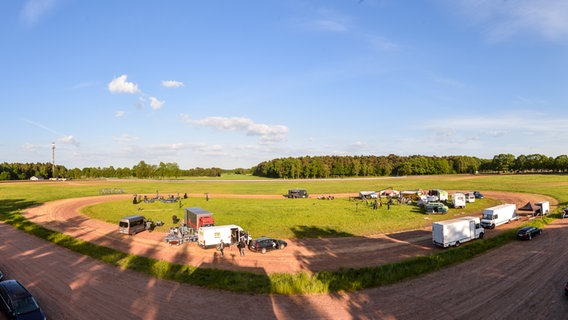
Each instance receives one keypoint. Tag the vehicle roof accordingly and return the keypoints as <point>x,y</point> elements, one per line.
<point>14,288</point>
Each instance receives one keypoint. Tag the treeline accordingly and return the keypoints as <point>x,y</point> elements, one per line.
<point>24,171</point>
<point>393,165</point>
<point>307,167</point>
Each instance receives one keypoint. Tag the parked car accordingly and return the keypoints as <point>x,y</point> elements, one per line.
<point>1,276</point>
<point>17,302</point>
<point>527,233</point>
<point>564,213</point>
<point>264,244</point>
<point>478,195</point>
<point>566,289</point>
<point>435,208</point>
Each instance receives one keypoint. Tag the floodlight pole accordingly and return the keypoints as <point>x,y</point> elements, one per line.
<point>53,159</point>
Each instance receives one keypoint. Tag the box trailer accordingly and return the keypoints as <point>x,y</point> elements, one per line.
<point>197,217</point>
<point>458,200</point>
<point>441,194</point>
<point>544,208</point>
<point>456,231</point>
<point>498,215</point>
<point>212,236</point>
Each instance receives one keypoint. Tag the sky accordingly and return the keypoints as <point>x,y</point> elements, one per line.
<point>231,84</point>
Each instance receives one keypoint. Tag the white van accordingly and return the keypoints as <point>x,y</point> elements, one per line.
<point>498,215</point>
<point>132,225</point>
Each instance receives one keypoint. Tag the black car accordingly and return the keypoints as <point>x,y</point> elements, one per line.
<point>527,233</point>
<point>18,303</point>
<point>264,244</point>
<point>564,213</point>
<point>478,195</point>
<point>566,289</point>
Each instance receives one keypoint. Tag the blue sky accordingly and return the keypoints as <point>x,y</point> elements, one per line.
<point>230,84</point>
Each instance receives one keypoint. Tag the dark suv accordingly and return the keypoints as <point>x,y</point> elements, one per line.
<point>17,302</point>
<point>264,244</point>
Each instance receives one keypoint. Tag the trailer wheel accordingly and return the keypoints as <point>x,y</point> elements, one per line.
<point>457,244</point>
<point>263,251</point>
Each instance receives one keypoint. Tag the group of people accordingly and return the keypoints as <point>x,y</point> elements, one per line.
<point>241,244</point>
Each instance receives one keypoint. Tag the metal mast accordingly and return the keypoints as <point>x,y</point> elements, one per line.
<point>53,159</point>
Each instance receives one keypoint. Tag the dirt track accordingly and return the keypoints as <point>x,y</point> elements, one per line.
<point>71,286</point>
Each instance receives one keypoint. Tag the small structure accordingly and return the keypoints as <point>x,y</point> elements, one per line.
<point>297,193</point>
<point>36,178</point>
<point>367,195</point>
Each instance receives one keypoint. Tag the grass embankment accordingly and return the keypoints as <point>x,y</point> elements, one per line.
<point>20,196</point>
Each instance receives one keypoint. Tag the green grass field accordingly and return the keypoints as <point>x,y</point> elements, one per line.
<point>287,218</point>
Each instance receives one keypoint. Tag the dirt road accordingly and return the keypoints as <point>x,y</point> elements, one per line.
<point>523,279</point>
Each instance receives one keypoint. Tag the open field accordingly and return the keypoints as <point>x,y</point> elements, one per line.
<point>11,207</point>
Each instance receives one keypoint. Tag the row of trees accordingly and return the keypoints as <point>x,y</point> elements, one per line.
<point>393,165</point>
<point>24,171</point>
<point>307,167</point>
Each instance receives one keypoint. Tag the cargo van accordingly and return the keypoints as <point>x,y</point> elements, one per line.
<point>456,231</point>
<point>498,215</point>
<point>212,236</point>
<point>131,225</point>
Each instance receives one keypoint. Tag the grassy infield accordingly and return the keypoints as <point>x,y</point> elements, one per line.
<point>299,218</point>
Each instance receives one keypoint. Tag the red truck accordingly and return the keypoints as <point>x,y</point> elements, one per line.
<point>197,217</point>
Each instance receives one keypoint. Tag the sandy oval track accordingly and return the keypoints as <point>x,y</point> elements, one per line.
<point>524,279</point>
<point>310,255</point>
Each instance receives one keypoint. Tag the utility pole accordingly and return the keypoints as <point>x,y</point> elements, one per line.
<point>53,159</point>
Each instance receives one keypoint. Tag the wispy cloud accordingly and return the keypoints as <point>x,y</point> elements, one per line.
<point>120,85</point>
<point>119,114</point>
<point>125,138</point>
<point>63,138</point>
<point>172,84</point>
<point>35,9</point>
<point>504,19</point>
<point>268,133</point>
<point>155,103</point>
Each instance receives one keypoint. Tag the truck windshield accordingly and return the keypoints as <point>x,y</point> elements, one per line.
<point>487,216</point>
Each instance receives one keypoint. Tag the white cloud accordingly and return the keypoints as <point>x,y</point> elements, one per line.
<point>546,18</point>
<point>125,138</point>
<point>34,9</point>
<point>172,84</point>
<point>155,103</point>
<point>120,85</point>
<point>119,114</point>
<point>268,133</point>
<point>69,140</point>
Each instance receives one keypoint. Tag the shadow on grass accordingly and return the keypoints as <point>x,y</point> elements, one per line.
<point>301,232</point>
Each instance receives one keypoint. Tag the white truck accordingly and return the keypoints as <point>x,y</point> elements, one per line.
<point>498,215</point>
<point>212,236</point>
<point>456,231</point>
<point>458,200</point>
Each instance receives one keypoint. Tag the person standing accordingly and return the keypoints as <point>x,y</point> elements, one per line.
<point>222,248</point>
<point>242,246</point>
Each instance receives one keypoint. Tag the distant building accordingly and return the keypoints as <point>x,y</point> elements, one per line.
<point>36,178</point>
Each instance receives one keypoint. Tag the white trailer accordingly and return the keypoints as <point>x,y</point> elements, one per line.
<point>458,200</point>
<point>544,208</point>
<point>212,236</point>
<point>456,231</point>
<point>498,215</point>
<point>469,197</point>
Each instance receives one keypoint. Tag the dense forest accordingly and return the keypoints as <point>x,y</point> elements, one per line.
<point>307,167</point>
